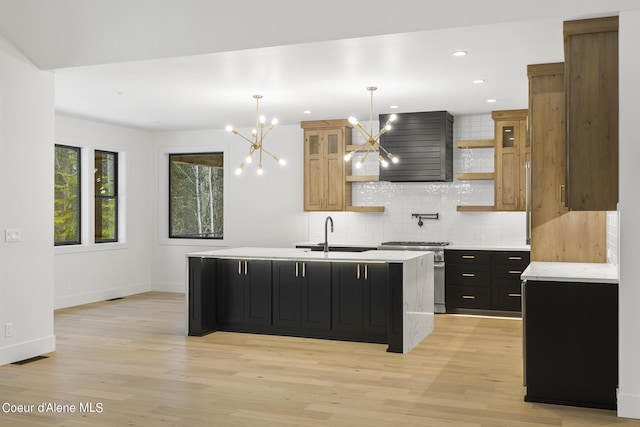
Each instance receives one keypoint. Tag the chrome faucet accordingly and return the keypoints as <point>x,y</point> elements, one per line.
<point>326,238</point>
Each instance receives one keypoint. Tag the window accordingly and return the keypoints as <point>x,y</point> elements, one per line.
<point>196,195</point>
<point>106,196</point>
<point>66,208</point>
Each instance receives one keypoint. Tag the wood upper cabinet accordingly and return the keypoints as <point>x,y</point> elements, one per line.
<point>512,151</point>
<point>557,235</point>
<point>591,84</point>
<point>324,165</point>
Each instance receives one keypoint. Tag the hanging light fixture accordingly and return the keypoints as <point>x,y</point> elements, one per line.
<point>372,144</point>
<point>257,139</point>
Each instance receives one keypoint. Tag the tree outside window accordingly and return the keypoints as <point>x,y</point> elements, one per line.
<point>106,196</point>
<point>66,208</point>
<point>196,195</point>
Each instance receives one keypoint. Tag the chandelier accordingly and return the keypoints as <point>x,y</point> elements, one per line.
<point>372,144</point>
<point>257,138</point>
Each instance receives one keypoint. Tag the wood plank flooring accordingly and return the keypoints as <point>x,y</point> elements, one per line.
<point>131,357</point>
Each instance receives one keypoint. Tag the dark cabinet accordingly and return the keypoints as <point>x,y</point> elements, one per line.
<point>571,343</point>
<point>302,296</point>
<point>245,293</point>
<point>484,280</point>
<point>360,298</point>
<point>202,296</point>
<point>423,143</point>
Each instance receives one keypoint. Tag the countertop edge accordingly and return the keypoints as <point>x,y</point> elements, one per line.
<point>571,272</point>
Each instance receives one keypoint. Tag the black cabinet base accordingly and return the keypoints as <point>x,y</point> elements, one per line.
<point>570,403</point>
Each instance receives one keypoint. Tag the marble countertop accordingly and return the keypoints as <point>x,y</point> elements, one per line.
<point>340,244</point>
<point>293,254</point>
<point>571,272</point>
<point>490,247</point>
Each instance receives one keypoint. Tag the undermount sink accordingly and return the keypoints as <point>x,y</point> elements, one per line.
<point>320,247</point>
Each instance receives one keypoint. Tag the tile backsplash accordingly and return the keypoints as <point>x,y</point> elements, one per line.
<point>401,200</point>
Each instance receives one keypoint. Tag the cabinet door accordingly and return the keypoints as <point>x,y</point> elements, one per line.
<point>258,293</point>
<point>333,145</point>
<point>287,294</point>
<point>376,299</point>
<point>232,300</point>
<point>512,151</point>
<point>347,297</point>
<point>314,174</point>
<point>316,296</point>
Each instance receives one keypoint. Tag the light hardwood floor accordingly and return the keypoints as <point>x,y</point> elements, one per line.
<point>132,357</point>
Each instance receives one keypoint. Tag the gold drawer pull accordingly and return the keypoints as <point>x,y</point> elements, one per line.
<point>468,256</point>
<point>468,297</point>
<point>515,271</point>
<point>515,295</point>
<point>468,275</point>
<point>515,257</point>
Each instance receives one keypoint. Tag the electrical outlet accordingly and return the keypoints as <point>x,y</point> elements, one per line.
<point>8,330</point>
<point>12,235</point>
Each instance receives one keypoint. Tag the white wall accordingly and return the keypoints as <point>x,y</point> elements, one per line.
<point>629,208</point>
<point>259,211</point>
<point>26,191</point>
<point>95,272</point>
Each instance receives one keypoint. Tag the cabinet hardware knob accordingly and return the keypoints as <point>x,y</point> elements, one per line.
<point>296,269</point>
<point>468,275</point>
<point>239,267</point>
<point>366,272</point>
<point>358,272</point>
<point>468,256</point>
<point>515,295</point>
<point>515,258</point>
<point>515,272</point>
<point>245,267</point>
<point>304,269</point>
<point>468,297</point>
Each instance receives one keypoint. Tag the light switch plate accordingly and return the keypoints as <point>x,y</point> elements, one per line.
<point>12,235</point>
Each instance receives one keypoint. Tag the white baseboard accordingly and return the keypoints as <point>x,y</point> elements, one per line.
<point>628,405</point>
<point>100,295</point>
<point>27,350</point>
<point>169,287</point>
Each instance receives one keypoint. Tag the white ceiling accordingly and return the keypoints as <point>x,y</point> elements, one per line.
<point>195,64</point>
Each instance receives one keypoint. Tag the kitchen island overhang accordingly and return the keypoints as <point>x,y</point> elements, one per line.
<point>373,296</point>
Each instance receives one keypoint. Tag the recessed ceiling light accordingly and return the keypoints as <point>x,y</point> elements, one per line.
<point>491,100</point>
<point>478,81</point>
<point>393,107</point>
<point>306,112</point>
<point>459,53</point>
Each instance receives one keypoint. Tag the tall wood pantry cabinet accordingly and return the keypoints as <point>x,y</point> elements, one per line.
<point>512,151</point>
<point>557,234</point>
<point>591,85</point>
<point>324,165</point>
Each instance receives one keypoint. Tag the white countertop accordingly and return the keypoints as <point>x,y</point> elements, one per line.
<point>308,255</point>
<point>571,272</point>
<point>490,247</point>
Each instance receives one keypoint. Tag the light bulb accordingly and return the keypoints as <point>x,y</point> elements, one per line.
<point>274,122</point>
<point>347,157</point>
<point>248,159</point>
<point>254,132</point>
<point>393,118</point>
<point>383,162</point>
<point>238,171</point>
<point>387,127</point>
<point>353,120</point>
<point>262,119</point>
<point>282,162</point>
<point>259,171</point>
<point>229,128</point>
<point>394,159</point>
<point>359,164</point>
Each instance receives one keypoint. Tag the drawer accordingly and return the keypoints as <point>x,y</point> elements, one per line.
<point>457,256</point>
<point>512,272</point>
<point>505,295</point>
<point>468,297</point>
<point>467,275</point>
<point>519,258</point>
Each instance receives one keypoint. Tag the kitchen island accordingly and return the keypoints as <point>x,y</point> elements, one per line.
<point>372,296</point>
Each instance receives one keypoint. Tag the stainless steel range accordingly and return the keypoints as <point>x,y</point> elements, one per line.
<point>438,265</point>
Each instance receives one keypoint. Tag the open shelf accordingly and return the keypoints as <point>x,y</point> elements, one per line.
<point>362,178</point>
<point>475,176</point>
<point>365,209</point>
<point>469,208</point>
<point>475,143</point>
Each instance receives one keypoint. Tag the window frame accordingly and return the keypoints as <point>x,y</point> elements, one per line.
<point>78,151</point>
<point>115,196</point>
<point>170,156</point>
